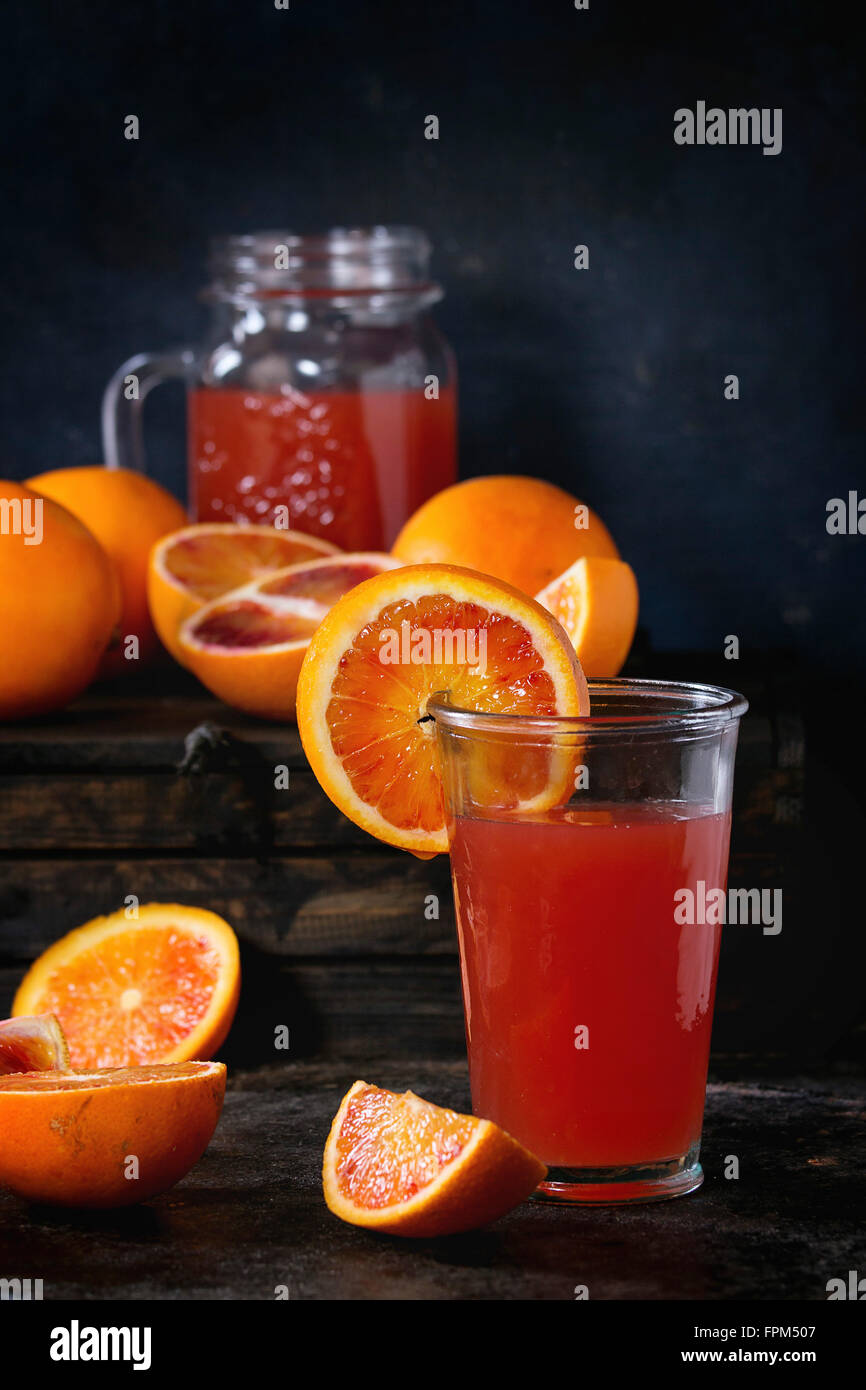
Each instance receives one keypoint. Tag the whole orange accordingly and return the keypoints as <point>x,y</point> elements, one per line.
<point>127,514</point>
<point>59,603</point>
<point>521,530</point>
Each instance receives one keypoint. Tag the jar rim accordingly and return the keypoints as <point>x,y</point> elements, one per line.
<point>643,706</point>
<point>379,238</point>
<point>352,261</point>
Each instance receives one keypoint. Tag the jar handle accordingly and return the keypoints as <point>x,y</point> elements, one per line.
<point>122,442</point>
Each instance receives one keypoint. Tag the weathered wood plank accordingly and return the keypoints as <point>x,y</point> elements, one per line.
<point>363,1010</point>
<point>232,812</point>
<point>338,1009</point>
<point>349,1009</point>
<point>142,730</point>
<point>145,727</point>
<point>241,810</point>
<point>300,906</point>
<point>344,905</point>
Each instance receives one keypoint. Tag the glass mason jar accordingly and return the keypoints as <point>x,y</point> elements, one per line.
<point>323,397</point>
<point>584,855</point>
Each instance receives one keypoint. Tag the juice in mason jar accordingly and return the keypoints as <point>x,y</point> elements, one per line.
<point>350,466</point>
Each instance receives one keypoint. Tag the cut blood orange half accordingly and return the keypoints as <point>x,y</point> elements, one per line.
<point>161,988</point>
<point>247,647</point>
<point>106,1138</point>
<point>199,563</point>
<point>397,1164</point>
<point>379,655</point>
<point>596,601</point>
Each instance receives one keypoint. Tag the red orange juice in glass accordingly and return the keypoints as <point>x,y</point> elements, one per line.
<point>588,1000</point>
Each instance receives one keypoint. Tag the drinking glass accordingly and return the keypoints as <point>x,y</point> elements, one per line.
<point>583,854</point>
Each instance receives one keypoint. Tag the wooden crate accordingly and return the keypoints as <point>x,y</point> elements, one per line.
<point>173,797</point>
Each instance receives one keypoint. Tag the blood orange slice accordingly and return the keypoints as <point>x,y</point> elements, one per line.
<point>161,988</point>
<point>106,1138</point>
<point>197,564</point>
<point>596,600</point>
<point>396,1163</point>
<point>248,646</point>
<point>379,655</point>
<point>32,1044</point>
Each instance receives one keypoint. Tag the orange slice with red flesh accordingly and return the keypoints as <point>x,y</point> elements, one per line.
<point>106,1138</point>
<point>197,564</point>
<point>400,1165</point>
<point>596,601</point>
<point>379,655</point>
<point>162,987</point>
<point>247,647</point>
<point>32,1044</point>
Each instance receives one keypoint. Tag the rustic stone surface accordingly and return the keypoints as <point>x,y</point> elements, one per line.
<point>251,1215</point>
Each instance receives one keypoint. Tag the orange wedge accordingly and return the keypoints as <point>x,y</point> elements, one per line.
<point>161,988</point>
<point>248,646</point>
<point>397,1164</point>
<point>196,564</point>
<point>596,601</point>
<point>32,1044</point>
<point>379,655</point>
<point>106,1138</point>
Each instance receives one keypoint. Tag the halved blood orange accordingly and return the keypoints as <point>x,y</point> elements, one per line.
<point>197,564</point>
<point>379,655</point>
<point>106,1138</point>
<point>247,647</point>
<point>596,600</point>
<point>398,1164</point>
<point>32,1044</point>
<point>163,987</point>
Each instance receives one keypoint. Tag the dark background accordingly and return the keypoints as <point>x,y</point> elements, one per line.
<point>556,127</point>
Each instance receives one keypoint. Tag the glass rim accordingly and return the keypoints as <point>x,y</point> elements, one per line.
<point>712,707</point>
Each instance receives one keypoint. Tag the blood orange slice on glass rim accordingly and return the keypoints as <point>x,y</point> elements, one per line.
<point>380,654</point>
